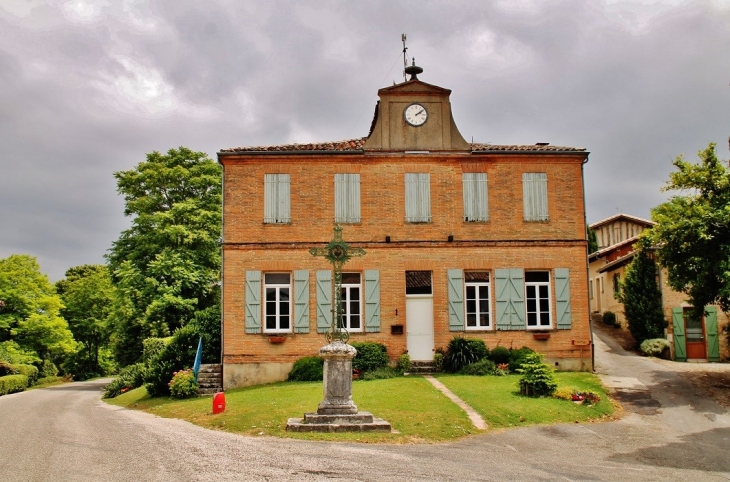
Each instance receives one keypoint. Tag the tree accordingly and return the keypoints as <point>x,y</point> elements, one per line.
<point>693,232</point>
<point>87,294</point>
<point>641,297</point>
<point>592,241</point>
<point>30,323</point>
<point>166,266</point>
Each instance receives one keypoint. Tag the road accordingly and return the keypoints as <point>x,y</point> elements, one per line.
<point>66,433</point>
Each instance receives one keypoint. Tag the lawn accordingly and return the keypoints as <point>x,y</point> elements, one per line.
<point>417,411</point>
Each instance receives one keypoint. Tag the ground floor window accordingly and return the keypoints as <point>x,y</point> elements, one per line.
<point>537,298</point>
<point>277,287</point>
<point>351,302</point>
<point>476,288</point>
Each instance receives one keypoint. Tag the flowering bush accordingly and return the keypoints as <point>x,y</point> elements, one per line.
<point>183,384</point>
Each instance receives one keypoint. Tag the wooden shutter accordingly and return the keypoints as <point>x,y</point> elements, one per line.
<point>713,342</point>
<point>680,344</point>
<point>562,298</point>
<point>476,204</point>
<point>455,289</point>
<point>347,198</point>
<point>277,198</point>
<point>372,301</point>
<point>301,301</point>
<point>270,198</point>
<point>534,196</point>
<point>510,300</point>
<point>284,198</point>
<point>418,197</point>
<point>324,300</point>
<point>253,302</point>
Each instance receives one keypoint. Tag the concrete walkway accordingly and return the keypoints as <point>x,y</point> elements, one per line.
<point>475,418</point>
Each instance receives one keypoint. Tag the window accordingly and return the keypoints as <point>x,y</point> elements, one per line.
<point>418,283</point>
<point>476,205</point>
<point>347,198</point>
<point>351,302</point>
<point>590,288</point>
<point>418,198</point>
<point>476,287</point>
<point>537,297</point>
<point>616,283</point>
<point>276,199</point>
<point>534,196</point>
<point>277,287</point>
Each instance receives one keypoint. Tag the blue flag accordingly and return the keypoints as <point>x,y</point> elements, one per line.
<point>198,356</point>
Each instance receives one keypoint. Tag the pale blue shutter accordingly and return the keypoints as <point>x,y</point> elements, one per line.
<point>713,343</point>
<point>534,196</point>
<point>562,298</point>
<point>277,198</point>
<point>476,204</point>
<point>284,199</point>
<point>324,300</point>
<point>418,197</point>
<point>455,288</point>
<point>301,301</point>
<point>510,300</point>
<point>680,343</point>
<point>270,198</point>
<point>347,198</point>
<point>372,301</point>
<point>253,302</point>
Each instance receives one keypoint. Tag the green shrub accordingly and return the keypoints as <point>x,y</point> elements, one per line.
<point>129,378</point>
<point>565,393</point>
<point>178,354</point>
<point>478,347</point>
<point>499,354</point>
<point>404,363</point>
<point>537,378</point>
<point>370,356</point>
<point>460,353</point>
<point>380,373</point>
<point>13,384</point>
<point>7,368</point>
<point>29,371</point>
<point>654,347</point>
<point>609,318</point>
<point>517,357</point>
<point>183,384</point>
<point>151,347</point>
<point>307,369</point>
<point>48,369</point>
<point>481,368</point>
<point>438,361</point>
<point>48,380</point>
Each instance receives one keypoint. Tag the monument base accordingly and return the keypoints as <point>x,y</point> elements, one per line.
<point>356,422</point>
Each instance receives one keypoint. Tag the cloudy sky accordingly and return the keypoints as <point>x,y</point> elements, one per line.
<point>88,87</point>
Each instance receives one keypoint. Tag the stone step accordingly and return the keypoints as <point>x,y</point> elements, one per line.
<point>208,391</point>
<point>211,368</point>
<point>210,376</point>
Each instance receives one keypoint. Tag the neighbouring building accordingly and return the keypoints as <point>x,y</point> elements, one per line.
<point>689,339</point>
<point>461,239</point>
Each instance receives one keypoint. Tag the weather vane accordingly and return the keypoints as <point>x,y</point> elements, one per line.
<point>337,252</point>
<point>405,59</point>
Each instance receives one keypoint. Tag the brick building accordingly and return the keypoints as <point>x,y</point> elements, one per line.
<point>467,239</point>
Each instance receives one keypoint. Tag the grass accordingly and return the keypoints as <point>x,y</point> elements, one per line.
<point>417,411</point>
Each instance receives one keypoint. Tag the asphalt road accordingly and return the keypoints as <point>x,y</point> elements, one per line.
<point>669,433</point>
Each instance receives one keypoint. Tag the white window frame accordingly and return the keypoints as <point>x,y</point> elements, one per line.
<point>536,285</point>
<point>277,199</point>
<point>347,198</point>
<point>347,315</point>
<point>278,289</point>
<point>476,196</point>
<point>418,197</point>
<point>478,286</point>
<point>535,196</point>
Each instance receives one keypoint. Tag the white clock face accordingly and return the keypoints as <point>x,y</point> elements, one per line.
<point>416,115</point>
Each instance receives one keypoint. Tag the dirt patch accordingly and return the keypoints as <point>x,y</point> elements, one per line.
<point>713,383</point>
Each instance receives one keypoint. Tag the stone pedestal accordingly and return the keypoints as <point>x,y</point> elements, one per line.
<point>337,412</point>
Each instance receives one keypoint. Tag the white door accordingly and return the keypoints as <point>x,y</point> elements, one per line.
<point>419,327</point>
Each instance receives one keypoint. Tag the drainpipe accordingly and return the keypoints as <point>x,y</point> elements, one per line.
<point>585,223</point>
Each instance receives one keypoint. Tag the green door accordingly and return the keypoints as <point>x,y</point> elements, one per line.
<point>680,346</point>
<point>713,343</point>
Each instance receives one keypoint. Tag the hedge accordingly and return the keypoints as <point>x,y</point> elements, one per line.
<point>13,383</point>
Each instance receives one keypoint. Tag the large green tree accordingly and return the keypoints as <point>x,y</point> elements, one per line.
<point>30,323</point>
<point>87,294</point>
<point>166,266</point>
<point>641,297</point>
<point>693,232</point>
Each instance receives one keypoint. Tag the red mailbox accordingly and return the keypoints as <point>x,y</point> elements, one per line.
<point>219,402</point>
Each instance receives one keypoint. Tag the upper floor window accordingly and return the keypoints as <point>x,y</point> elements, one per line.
<point>277,204</point>
<point>418,197</point>
<point>534,196</point>
<point>351,302</point>
<point>476,205</point>
<point>537,298</point>
<point>476,288</point>
<point>347,198</point>
<point>277,311</point>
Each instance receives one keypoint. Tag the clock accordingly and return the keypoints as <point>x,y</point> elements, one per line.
<point>416,115</point>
